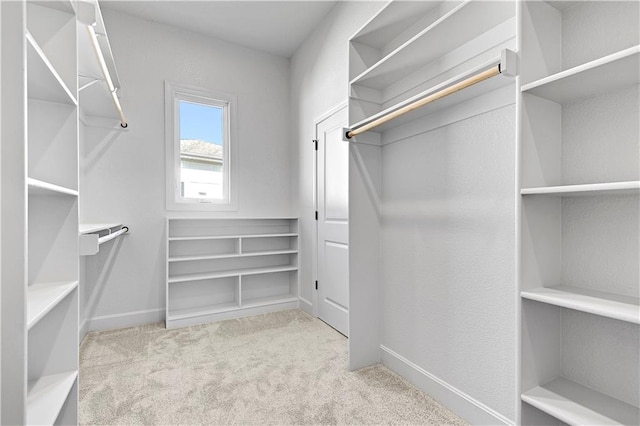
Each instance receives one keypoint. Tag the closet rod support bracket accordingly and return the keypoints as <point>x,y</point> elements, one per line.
<point>508,63</point>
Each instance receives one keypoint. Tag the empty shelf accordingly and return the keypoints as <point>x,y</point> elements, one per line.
<point>456,27</point>
<point>578,405</point>
<point>38,187</point>
<point>42,298</point>
<point>265,301</point>
<point>219,237</point>
<point>47,395</point>
<point>623,308</point>
<point>234,273</point>
<point>616,188</point>
<point>229,256</point>
<point>44,82</point>
<point>392,21</point>
<point>603,75</point>
<point>199,311</point>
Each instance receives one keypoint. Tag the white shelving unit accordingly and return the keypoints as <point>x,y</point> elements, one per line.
<point>40,353</point>
<point>225,268</point>
<point>579,186</point>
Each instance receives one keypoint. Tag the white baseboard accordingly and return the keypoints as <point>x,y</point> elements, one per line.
<point>129,319</point>
<point>234,313</point>
<point>306,306</point>
<point>457,401</point>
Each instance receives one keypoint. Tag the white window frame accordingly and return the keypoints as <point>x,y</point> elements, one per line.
<point>174,93</point>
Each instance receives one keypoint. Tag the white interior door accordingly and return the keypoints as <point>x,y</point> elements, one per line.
<point>332,222</point>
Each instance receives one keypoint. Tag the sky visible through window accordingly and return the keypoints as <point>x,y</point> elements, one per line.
<point>203,122</point>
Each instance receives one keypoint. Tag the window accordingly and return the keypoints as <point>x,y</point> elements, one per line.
<point>201,150</point>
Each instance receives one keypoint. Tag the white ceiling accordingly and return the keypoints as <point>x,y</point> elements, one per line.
<point>276,27</point>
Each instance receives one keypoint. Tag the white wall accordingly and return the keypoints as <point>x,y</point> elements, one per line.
<point>319,77</point>
<point>448,267</point>
<point>123,172</point>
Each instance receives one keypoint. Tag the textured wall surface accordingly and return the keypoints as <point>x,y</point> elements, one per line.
<point>598,28</point>
<point>600,244</point>
<point>319,77</point>
<point>123,173</point>
<point>602,354</point>
<point>448,244</point>
<point>600,138</point>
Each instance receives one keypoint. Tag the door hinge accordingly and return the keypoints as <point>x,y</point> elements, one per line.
<point>315,142</point>
<point>316,214</point>
<point>316,285</point>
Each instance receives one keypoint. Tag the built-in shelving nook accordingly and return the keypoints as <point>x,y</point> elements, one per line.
<point>423,63</point>
<point>579,186</point>
<point>228,268</point>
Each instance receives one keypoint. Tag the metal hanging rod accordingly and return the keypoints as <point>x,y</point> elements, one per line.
<point>113,235</point>
<point>506,66</point>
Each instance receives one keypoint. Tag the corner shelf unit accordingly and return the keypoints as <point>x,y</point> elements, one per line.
<point>579,213</point>
<point>40,355</point>
<point>410,50</point>
<point>227,268</point>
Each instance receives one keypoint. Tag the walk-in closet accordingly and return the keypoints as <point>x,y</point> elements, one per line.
<point>320,212</point>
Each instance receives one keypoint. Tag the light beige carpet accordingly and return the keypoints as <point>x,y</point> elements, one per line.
<point>280,368</point>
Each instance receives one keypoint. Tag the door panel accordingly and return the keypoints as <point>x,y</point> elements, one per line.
<point>332,227</point>
<point>336,155</point>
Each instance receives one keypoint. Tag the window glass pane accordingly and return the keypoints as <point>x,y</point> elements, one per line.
<point>201,151</point>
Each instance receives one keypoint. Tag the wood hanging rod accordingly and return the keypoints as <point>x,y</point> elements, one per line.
<point>506,66</point>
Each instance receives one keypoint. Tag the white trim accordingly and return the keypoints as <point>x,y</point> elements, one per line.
<point>236,313</point>
<point>127,319</point>
<point>82,331</point>
<point>306,306</point>
<point>457,401</point>
<point>175,92</point>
